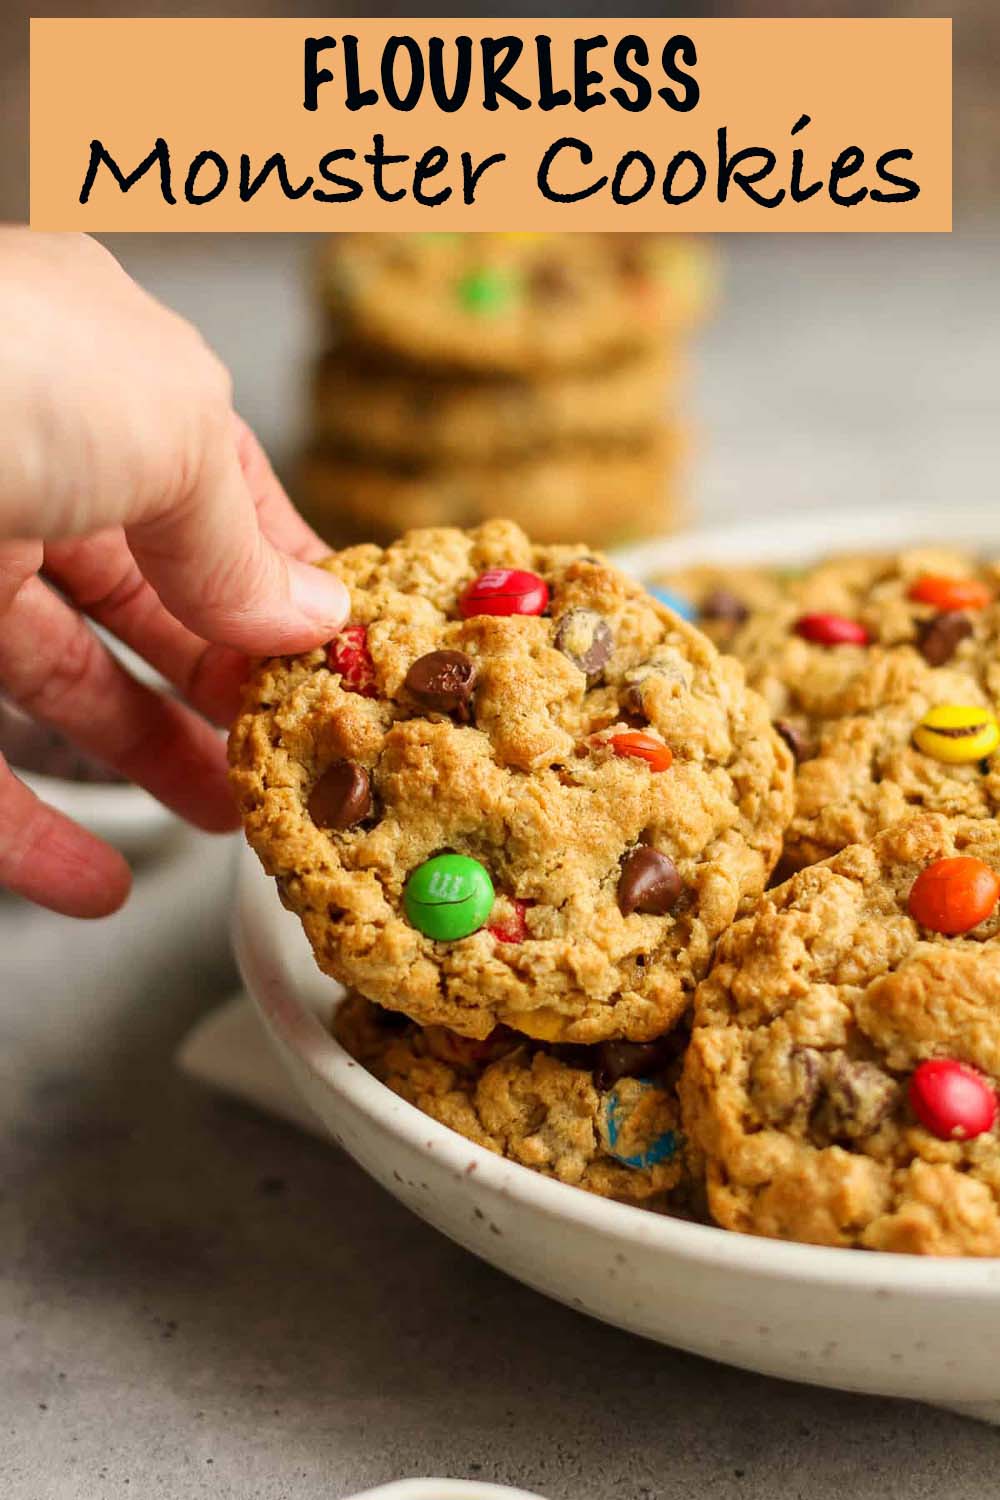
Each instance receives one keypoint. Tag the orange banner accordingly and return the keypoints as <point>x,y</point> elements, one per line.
<point>491,124</point>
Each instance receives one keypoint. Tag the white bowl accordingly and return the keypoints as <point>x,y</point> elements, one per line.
<point>443,1489</point>
<point>887,1324</point>
<point>123,815</point>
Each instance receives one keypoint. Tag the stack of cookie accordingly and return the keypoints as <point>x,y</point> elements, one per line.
<point>531,813</point>
<point>471,375</point>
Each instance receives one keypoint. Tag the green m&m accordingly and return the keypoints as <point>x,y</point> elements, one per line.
<point>448,897</point>
<point>487,291</point>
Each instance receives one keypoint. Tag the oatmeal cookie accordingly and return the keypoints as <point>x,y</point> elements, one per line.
<point>839,1085</point>
<point>513,789</point>
<point>601,1118</point>
<point>604,495</point>
<point>421,417</point>
<point>515,302</point>
<point>852,656</point>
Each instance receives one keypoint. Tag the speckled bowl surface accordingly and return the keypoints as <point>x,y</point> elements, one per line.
<point>888,1324</point>
<point>443,1489</point>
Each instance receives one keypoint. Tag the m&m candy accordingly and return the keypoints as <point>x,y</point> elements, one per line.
<point>487,291</point>
<point>951,1100</point>
<point>510,926</point>
<point>676,602</point>
<point>948,594</point>
<point>831,630</point>
<point>957,733</point>
<point>654,752</point>
<point>504,591</point>
<point>629,1126</point>
<point>348,654</point>
<point>448,897</point>
<point>954,895</point>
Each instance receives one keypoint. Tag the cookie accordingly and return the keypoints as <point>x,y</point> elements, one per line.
<point>511,302</point>
<point>724,601</point>
<point>522,719</point>
<point>839,1085</point>
<point>422,418</point>
<point>603,495</point>
<point>600,1118</point>
<point>851,657</point>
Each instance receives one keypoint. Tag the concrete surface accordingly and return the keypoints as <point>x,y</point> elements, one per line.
<point>197,1302</point>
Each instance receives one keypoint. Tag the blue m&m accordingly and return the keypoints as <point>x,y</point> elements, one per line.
<point>676,602</point>
<point>629,1125</point>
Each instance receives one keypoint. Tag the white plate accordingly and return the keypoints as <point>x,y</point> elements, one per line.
<point>888,1324</point>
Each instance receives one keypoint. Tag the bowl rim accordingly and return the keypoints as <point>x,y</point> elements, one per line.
<point>262,946</point>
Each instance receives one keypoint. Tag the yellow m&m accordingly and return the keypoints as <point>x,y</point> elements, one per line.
<point>957,733</point>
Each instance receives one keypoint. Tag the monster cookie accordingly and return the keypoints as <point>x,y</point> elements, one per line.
<point>523,722</point>
<point>883,675</point>
<point>723,601</point>
<point>508,302</point>
<point>423,418</point>
<point>601,1118</point>
<point>840,1081</point>
<point>551,496</point>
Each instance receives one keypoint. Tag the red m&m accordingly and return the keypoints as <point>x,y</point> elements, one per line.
<point>951,1100</point>
<point>348,654</point>
<point>510,926</point>
<point>949,593</point>
<point>831,630</point>
<point>654,752</point>
<point>504,591</point>
<point>954,895</point>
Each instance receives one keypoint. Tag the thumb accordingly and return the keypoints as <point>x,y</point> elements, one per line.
<point>216,571</point>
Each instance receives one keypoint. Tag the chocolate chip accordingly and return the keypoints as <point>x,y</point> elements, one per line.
<point>638,678</point>
<point>552,282</point>
<point>617,1060</point>
<point>796,740</point>
<point>585,637</point>
<point>785,1081</point>
<point>857,1098</point>
<point>938,638</point>
<point>341,797</point>
<point>649,883</point>
<point>724,605</point>
<point>443,680</point>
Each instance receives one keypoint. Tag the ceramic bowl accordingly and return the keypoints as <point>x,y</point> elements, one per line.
<point>443,1489</point>
<point>887,1324</point>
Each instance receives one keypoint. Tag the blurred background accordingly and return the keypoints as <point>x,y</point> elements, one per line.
<point>821,371</point>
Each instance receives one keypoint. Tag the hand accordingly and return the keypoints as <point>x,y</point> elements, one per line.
<point>128,483</point>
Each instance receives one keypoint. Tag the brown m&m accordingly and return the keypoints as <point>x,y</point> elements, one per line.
<point>939,637</point>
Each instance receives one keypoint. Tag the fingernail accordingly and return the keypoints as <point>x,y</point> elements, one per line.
<point>318,594</point>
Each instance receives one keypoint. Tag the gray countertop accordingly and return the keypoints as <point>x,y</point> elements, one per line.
<point>196,1301</point>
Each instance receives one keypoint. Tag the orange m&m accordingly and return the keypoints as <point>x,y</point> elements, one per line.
<point>954,895</point>
<point>654,752</point>
<point>948,594</point>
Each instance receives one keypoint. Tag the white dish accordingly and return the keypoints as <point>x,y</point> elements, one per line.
<point>443,1489</point>
<point>888,1324</point>
<point>125,816</point>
